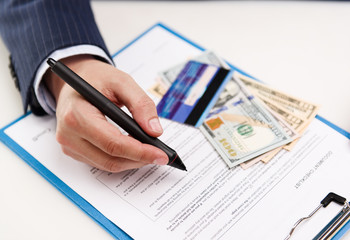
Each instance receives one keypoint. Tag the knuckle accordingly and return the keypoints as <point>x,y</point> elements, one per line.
<point>69,119</point>
<point>141,155</point>
<point>114,148</point>
<point>112,166</point>
<point>61,138</point>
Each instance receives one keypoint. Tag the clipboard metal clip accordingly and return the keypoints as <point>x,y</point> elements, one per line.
<point>335,224</point>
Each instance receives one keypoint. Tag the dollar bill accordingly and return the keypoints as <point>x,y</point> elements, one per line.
<point>300,125</point>
<point>295,122</point>
<point>299,113</point>
<point>298,107</point>
<point>266,157</point>
<point>289,129</point>
<point>247,164</point>
<point>241,128</point>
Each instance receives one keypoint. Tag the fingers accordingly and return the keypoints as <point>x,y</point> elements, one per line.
<point>86,135</point>
<point>109,139</point>
<point>97,158</point>
<point>139,104</point>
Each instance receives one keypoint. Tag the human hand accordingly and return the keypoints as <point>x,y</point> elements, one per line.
<point>83,131</point>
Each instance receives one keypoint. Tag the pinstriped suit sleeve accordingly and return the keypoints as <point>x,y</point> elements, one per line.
<point>33,29</point>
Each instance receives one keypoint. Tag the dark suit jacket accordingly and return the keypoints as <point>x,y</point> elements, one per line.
<point>33,29</point>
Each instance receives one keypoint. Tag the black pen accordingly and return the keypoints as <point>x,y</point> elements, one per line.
<point>112,111</point>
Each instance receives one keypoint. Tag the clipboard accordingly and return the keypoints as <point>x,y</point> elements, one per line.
<point>336,226</point>
<point>89,209</point>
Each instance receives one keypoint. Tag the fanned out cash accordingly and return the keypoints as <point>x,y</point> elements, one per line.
<point>266,157</point>
<point>297,112</point>
<point>250,122</point>
<point>240,127</point>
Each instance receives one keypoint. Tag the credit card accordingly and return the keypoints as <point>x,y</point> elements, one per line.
<point>193,93</point>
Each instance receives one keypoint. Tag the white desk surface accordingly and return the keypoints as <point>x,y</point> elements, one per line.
<point>302,48</point>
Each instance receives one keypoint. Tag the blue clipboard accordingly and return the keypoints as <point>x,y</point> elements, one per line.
<point>90,210</point>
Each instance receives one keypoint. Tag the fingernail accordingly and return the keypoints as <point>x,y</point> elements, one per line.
<point>161,161</point>
<point>155,125</point>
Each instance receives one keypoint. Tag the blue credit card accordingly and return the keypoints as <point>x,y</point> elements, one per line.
<point>193,93</point>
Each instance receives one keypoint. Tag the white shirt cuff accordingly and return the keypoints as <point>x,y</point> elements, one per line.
<point>43,95</point>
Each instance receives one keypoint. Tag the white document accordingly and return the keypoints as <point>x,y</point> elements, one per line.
<point>210,201</point>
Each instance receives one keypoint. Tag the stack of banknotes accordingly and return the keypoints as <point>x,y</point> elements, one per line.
<point>250,121</point>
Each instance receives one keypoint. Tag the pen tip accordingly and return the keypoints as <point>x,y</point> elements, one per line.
<point>179,164</point>
<point>51,62</point>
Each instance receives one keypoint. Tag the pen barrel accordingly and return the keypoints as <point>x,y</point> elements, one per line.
<point>109,109</point>
<point>127,123</point>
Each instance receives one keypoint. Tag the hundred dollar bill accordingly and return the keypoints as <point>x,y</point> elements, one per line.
<point>266,157</point>
<point>241,128</point>
<point>298,107</point>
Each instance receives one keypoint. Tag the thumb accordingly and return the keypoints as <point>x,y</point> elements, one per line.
<point>129,93</point>
<point>145,114</point>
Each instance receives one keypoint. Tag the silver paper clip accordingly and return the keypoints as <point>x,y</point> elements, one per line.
<point>335,224</point>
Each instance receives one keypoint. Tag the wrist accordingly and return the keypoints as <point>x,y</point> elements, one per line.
<point>55,83</point>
